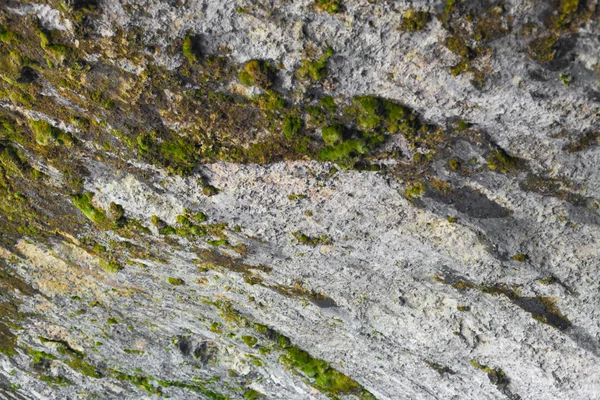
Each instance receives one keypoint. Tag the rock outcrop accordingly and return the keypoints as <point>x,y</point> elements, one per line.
<point>344,199</point>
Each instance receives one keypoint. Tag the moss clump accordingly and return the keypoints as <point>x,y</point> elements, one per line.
<point>375,113</point>
<point>252,394</point>
<point>110,266</point>
<point>311,241</point>
<point>453,164</point>
<point>326,379</point>
<point>497,377</point>
<point>542,49</point>
<point>414,191</point>
<point>329,6</point>
<point>328,103</point>
<point>414,20</point>
<point>45,134</point>
<point>291,126</point>
<point>200,217</point>
<point>140,381</point>
<point>500,161</point>
<point>218,242</point>
<point>175,281</point>
<point>84,203</point>
<point>116,211</point>
<point>249,340</point>
<point>458,47</point>
<point>569,6</point>
<point>463,125</point>
<point>370,113</point>
<point>566,79</point>
<point>343,150</point>
<point>6,36</point>
<point>315,70</point>
<point>333,134</point>
<point>190,49</point>
<point>83,367</point>
<point>257,73</point>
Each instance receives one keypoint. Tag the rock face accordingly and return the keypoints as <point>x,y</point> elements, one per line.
<point>342,199</point>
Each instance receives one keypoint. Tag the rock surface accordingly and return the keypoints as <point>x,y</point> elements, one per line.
<point>299,199</point>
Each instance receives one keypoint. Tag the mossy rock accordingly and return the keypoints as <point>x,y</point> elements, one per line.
<point>257,73</point>
<point>315,70</point>
<point>414,20</point>
<point>84,203</point>
<point>333,134</point>
<point>329,6</point>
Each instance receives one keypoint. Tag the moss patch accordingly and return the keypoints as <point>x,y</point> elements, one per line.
<point>414,20</point>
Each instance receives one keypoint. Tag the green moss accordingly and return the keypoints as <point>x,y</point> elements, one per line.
<point>463,125</point>
<point>454,164</point>
<point>452,220</point>
<point>377,114</point>
<point>252,394</point>
<point>458,47</point>
<point>257,73</point>
<point>326,379</point>
<point>116,210</point>
<point>333,134</point>
<point>218,242</point>
<point>295,196</point>
<point>7,36</point>
<point>43,131</point>
<point>496,376</point>
<point>40,356</point>
<point>110,266</point>
<point>369,116</point>
<point>569,6</point>
<point>329,6</point>
<point>343,150</point>
<point>566,79</point>
<point>315,70</point>
<point>55,380</point>
<point>83,367</point>
<point>291,126</point>
<point>175,281</point>
<point>460,68</point>
<point>140,381</point>
<point>416,190</point>
<point>84,203</point>
<point>189,49</point>
<point>502,162</point>
<point>215,327</point>
<point>200,217</point>
<point>311,241</point>
<point>249,340</point>
<point>45,134</point>
<point>195,387</point>
<point>414,20</point>
<point>132,351</point>
<point>542,49</point>
<point>329,103</point>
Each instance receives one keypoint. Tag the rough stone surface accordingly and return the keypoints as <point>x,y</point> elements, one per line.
<point>460,264</point>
